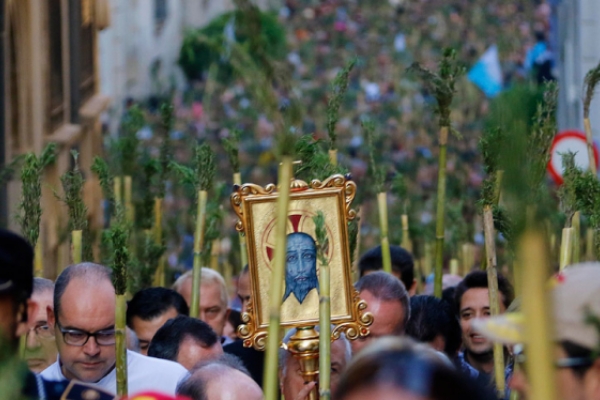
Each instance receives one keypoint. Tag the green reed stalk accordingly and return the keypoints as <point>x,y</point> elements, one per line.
<point>442,85</point>
<point>324,308</point>
<point>270,377</point>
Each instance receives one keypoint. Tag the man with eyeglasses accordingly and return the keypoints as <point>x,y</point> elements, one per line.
<point>17,310</point>
<point>40,350</point>
<point>576,302</point>
<point>83,321</point>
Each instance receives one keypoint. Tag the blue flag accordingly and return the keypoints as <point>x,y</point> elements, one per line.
<point>487,73</point>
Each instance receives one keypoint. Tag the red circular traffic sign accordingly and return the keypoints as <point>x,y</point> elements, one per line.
<point>574,141</point>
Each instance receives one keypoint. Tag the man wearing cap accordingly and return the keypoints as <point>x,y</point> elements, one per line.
<point>576,302</point>
<point>16,313</point>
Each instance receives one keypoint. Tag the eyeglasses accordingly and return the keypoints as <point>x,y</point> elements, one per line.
<point>42,331</point>
<point>76,337</point>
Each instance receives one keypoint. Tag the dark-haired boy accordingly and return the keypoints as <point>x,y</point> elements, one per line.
<point>472,301</point>
<point>149,309</point>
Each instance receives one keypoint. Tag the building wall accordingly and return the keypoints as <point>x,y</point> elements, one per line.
<point>31,71</point>
<point>578,50</point>
<point>138,56</point>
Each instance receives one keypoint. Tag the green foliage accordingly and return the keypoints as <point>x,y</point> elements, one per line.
<point>490,145</point>
<point>567,192</point>
<point>145,265</point>
<point>591,81</point>
<point>13,370</point>
<point>128,143</point>
<point>316,163</point>
<point>72,183</point>
<point>400,190</point>
<point>441,84</point>
<point>542,135</point>
<point>9,170</point>
<point>525,152</point>
<point>286,143</point>
<point>459,231</point>
<point>514,109</point>
<point>203,47</point>
<point>119,237</point>
<point>106,248</point>
<point>587,191</point>
<point>202,174</point>
<point>30,210</point>
<point>232,147</point>
<point>100,168</point>
<point>150,169</point>
<point>321,236</point>
<point>205,166</point>
<point>375,171</point>
<point>338,91</point>
<point>503,224</point>
<point>214,220</point>
<point>166,148</point>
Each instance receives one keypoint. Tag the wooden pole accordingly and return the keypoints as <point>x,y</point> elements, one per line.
<point>270,377</point>
<point>198,247</point>
<point>566,247</point>
<point>468,258</point>
<point>440,210</point>
<point>383,226</point>
<point>590,144</point>
<point>324,309</point>
<point>237,180</point>
<point>76,246</point>
<point>576,224</point>
<point>121,345</point>
<point>492,276</point>
<point>38,259</point>
<point>537,306</point>
<point>589,245</point>
<point>454,266</point>
<point>333,157</point>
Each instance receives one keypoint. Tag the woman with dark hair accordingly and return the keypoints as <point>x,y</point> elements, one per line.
<point>401,369</point>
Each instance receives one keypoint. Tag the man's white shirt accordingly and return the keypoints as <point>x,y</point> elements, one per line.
<point>143,374</point>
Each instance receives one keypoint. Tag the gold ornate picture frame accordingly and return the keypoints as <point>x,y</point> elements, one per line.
<point>255,207</point>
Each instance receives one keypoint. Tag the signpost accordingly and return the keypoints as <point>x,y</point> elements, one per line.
<point>574,141</point>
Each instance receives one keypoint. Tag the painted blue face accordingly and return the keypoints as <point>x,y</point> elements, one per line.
<point>301,257</point>
<point>301,265</point>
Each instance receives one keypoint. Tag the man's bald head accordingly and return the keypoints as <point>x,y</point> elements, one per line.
<point>223,378</point>
<point>87,272</point>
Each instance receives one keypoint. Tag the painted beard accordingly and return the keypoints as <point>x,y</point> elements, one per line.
<point>300,288</point>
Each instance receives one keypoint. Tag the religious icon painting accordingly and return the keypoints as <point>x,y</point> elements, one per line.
<point>256,209</point>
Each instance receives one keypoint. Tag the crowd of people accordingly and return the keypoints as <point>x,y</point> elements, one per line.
<point>386,38</point>
<point>419,346</point>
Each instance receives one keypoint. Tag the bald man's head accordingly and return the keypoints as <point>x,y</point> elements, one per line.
<point>224,378</point>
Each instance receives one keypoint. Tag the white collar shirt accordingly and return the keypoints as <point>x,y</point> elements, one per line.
<point>143,374</point>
